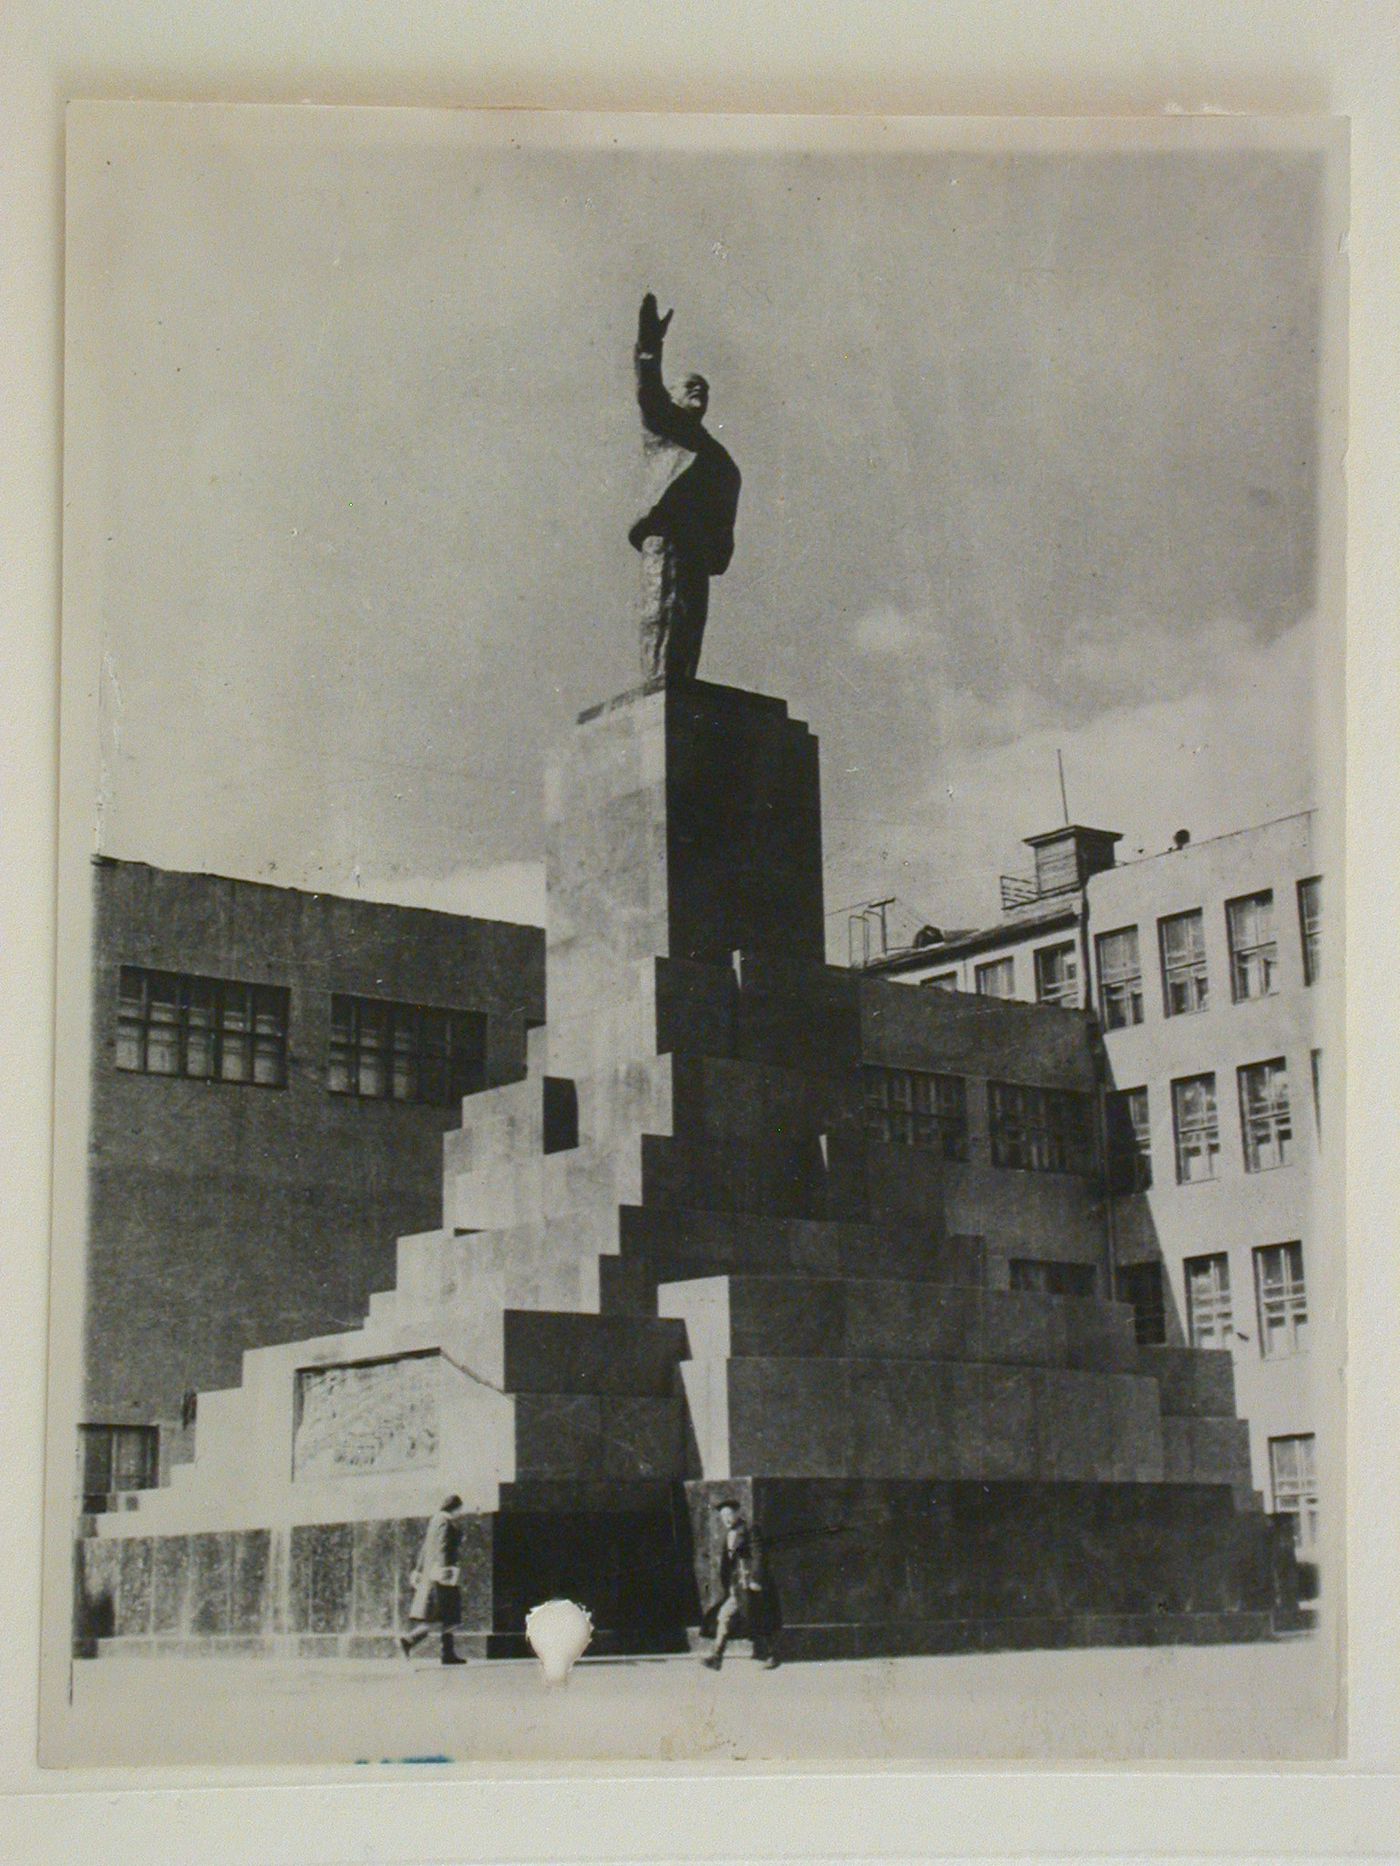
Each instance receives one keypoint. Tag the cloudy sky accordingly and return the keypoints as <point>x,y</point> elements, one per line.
<point>1029,457</point>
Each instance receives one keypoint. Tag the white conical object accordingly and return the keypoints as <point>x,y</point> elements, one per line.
<point>558,1632</point>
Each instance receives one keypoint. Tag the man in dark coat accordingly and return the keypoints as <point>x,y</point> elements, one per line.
<point>686,535</point>
<point>437,1599</point>
<point>748,1595</point>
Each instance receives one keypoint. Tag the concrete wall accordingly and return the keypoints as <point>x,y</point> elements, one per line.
<point>224,1216</point>
<point>1237,1210</point>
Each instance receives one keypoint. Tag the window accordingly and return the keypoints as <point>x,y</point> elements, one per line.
<point>1310,924</point>
<point>1184,984</point>
<point>1265,1120</point>
<point>1057,976</point>
<point>1129,1141</point>
<point>405,1052</point>
<point>1141,1285</point>
<point>1293,1475</point>
<point>941,981</point>
<point>212,1029</point>
<point>114,1458</point>
<point>912,1109</point>
<point>1210,1316</point>
<point>1283,1300</point>
<point>1197,1128</point>
<point>1039,1130</point>
<point>1120,978</point>
<point>997,979</point>
<point>1253,946</point>
<point>1048,1278</point>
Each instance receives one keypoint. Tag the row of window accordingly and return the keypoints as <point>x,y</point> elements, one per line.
<point>1266,1125</point>
<point>1253,946</point>
<point>221,1030</point>
<point>1280,1300</point>
<point>1037,1130</point>
<point>1253,943</point>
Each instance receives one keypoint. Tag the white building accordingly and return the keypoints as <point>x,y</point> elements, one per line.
<point>1200,964</point>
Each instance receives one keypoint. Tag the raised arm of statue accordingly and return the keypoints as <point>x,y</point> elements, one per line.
<point>660,415</point>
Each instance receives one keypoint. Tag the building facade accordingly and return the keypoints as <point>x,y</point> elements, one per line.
<point>1204,963</point>
<point>273,1073</point>
<point>1199,964</point>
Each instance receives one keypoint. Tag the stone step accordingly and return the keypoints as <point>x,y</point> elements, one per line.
<point>879,1318</point>
<point>794,1417</point>
<point>683,1241</point>
<point>599,1436</point>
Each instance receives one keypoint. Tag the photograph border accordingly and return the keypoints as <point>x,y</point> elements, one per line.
<point>1307,74</point>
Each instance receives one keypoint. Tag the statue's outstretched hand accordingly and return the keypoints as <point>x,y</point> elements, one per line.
<point>651,326</point>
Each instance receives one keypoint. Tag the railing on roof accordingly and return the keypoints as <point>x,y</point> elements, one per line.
<point>1016,891</point>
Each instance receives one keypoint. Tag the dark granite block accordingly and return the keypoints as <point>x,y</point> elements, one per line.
<point>785,1316</point>
<point>375,1568</point>
<point>1195,1381</point>
<point>1177,1453</point>
<point>210,1566</point>
<point>1099,1336</point>
<point>1220,1450</point>
<point>1074,1426</point>
<point>555,1353</point>
<point>641,1437</point>
<point>475,1558</point>
<point>250,1603</point>
<point>557,1434</point>
<point>170,1557</point>
<point>789,1417</point>
<point>1008,1429</point>
<point>926,1320</point>
<point>322,1567</point>
<point>814,1246</point>
<point>963,1455</point>
<point>134,1591</point>
<point>1021,1328</point>
<point>893,1423</point>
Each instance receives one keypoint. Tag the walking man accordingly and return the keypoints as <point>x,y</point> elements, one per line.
<point>437,1598</point>
<point>748,1595</point>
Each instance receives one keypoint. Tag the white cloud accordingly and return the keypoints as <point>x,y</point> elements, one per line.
<point>1238,748</point>
<point>884,631</point>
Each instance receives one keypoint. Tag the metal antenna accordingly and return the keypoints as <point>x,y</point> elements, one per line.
<point>1064,800</point>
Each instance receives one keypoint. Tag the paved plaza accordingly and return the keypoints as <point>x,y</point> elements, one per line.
<point>1229,1703</point>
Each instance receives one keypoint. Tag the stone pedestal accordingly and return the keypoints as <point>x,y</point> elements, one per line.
<point>683,1258</point>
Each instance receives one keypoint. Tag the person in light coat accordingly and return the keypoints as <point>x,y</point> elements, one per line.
<point>437,1598</point>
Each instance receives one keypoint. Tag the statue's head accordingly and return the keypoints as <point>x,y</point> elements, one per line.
<point>695,394</point>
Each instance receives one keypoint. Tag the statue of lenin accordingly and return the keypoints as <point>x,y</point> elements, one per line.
<point>686,536</point>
